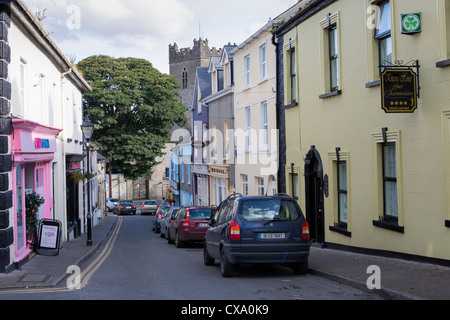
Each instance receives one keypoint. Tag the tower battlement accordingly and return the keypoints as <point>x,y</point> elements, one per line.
<point>200,50</point>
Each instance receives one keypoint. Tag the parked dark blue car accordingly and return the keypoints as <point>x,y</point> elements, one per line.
<point>260,229</point>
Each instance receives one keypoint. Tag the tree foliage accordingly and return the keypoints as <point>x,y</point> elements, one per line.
<point>134,107</point>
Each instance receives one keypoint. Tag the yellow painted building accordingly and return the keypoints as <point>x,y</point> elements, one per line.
<point>256,135</point>
<point>367,177</point>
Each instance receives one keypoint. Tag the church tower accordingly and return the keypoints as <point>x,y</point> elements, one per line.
<point>183,64</point>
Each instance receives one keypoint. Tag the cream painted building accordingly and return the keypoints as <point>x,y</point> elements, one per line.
<point>370,178</point>
<point>256,134</point>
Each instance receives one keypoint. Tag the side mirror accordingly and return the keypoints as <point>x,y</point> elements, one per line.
<point>212,222</point>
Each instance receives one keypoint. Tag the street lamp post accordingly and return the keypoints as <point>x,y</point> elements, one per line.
<point>88,129</point>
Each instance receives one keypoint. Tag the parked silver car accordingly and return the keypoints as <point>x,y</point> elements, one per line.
<point>166,220</point>
<point>111,203</point>
<point>149,207</point>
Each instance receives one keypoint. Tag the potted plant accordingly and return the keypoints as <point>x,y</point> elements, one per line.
<point>32,203</point>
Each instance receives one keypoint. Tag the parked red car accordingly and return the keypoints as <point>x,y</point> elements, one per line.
<point>190,225</point>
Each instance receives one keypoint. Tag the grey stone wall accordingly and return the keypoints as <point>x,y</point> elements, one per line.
<point>6,197</point>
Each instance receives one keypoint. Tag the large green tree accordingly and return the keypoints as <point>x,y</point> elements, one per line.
<point>134,107</point>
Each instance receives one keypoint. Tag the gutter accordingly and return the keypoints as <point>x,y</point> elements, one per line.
<point>21,13</point>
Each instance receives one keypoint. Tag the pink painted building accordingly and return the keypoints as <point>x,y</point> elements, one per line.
<point>33,150</point>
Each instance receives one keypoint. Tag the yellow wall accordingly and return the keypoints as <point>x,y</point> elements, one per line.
<point>257,162</point>
<point>353,121</point>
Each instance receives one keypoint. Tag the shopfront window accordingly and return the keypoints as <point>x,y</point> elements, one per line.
<point>20,215</point>
<point>39,188</point>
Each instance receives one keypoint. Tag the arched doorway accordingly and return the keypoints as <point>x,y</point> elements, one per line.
<point>314,196</point>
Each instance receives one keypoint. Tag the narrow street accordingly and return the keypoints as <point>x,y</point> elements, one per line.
<point>137,264</point>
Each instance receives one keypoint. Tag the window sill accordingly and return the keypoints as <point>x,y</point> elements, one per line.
<point>330,94</point>
<point>291,105</point>
<point>341,230</point>
<point>372,84</point>
<point>443,63</point>
<point>388,225</point>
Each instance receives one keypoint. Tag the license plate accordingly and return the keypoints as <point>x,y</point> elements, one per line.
<point>202,225</point>
<point>271,235</point>
<point>128,207</point>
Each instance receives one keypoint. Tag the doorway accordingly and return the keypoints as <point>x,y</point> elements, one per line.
<point>314,196</point>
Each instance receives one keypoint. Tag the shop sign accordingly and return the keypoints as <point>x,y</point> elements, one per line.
<point>49,237</point>
<point>41,143</point>
<point>411,23</point>
<point>74,165</point>
<point>399,90</point>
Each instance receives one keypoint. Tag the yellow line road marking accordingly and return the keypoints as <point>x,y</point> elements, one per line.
<point>85,275</point>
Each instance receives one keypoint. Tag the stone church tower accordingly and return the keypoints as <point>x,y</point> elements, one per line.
<point>183,64</point>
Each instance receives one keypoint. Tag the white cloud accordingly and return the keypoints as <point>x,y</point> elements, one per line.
<point>145,28</point>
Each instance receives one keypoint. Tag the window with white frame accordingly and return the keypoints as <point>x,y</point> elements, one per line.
<point>260,185</point>
<point>247,70</point>
<point>388,208</point>
<point>383,33</point>
<point>390,201</point>
<point>220,191</point>
<point>330,54</point>
<point>244,184</point>
<point>182,171</point>
<point>263,126</point>
<point>293,75</point>
<point>248,128</point>
<point>226,136</point>
<point>333,58</point>
<point>342,193</point>
<point>262,62</point>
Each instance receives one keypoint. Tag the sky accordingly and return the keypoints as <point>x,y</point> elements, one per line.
<point>145,28</point>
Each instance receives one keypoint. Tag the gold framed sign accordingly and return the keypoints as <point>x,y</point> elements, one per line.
<point>399,90</point>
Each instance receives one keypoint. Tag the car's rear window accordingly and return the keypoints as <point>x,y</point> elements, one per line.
<point>199,214</point>
<point>126,203</point>
<point>269,209</point>
<point>150,203</point>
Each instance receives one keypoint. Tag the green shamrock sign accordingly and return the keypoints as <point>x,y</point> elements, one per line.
<point>411,23</point>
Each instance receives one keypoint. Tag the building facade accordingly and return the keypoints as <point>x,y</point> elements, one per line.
<point>255,111</point>
<point>200,125</point>
<point>220,135</point>
<point>366,107</point>
<point>42,94</point>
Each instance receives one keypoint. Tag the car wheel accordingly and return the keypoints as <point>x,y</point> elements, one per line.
<point>226,268</point>
<point>169,240</point>
<point>207,259</point>
<point>300,268</point>
<point>178,242</point>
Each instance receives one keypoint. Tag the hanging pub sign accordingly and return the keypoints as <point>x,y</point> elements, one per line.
<point>399,88</point>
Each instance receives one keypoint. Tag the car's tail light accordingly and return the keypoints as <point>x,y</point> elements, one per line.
<point>134,207</point>
<point>122,207</point>
<point>235,231</point>
<point>305,231</point>
<point>185,223</point>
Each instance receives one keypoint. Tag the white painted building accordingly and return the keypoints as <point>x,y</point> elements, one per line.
<point>46,142</point>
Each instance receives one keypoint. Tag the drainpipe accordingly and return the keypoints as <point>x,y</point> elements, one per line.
<point>64,176</point>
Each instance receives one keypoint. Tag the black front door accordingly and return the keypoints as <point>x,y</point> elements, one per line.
<point>73,221</point>
<point>314,196</point>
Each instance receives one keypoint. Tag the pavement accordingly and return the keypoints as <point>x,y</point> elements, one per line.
<point>399,279</point>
